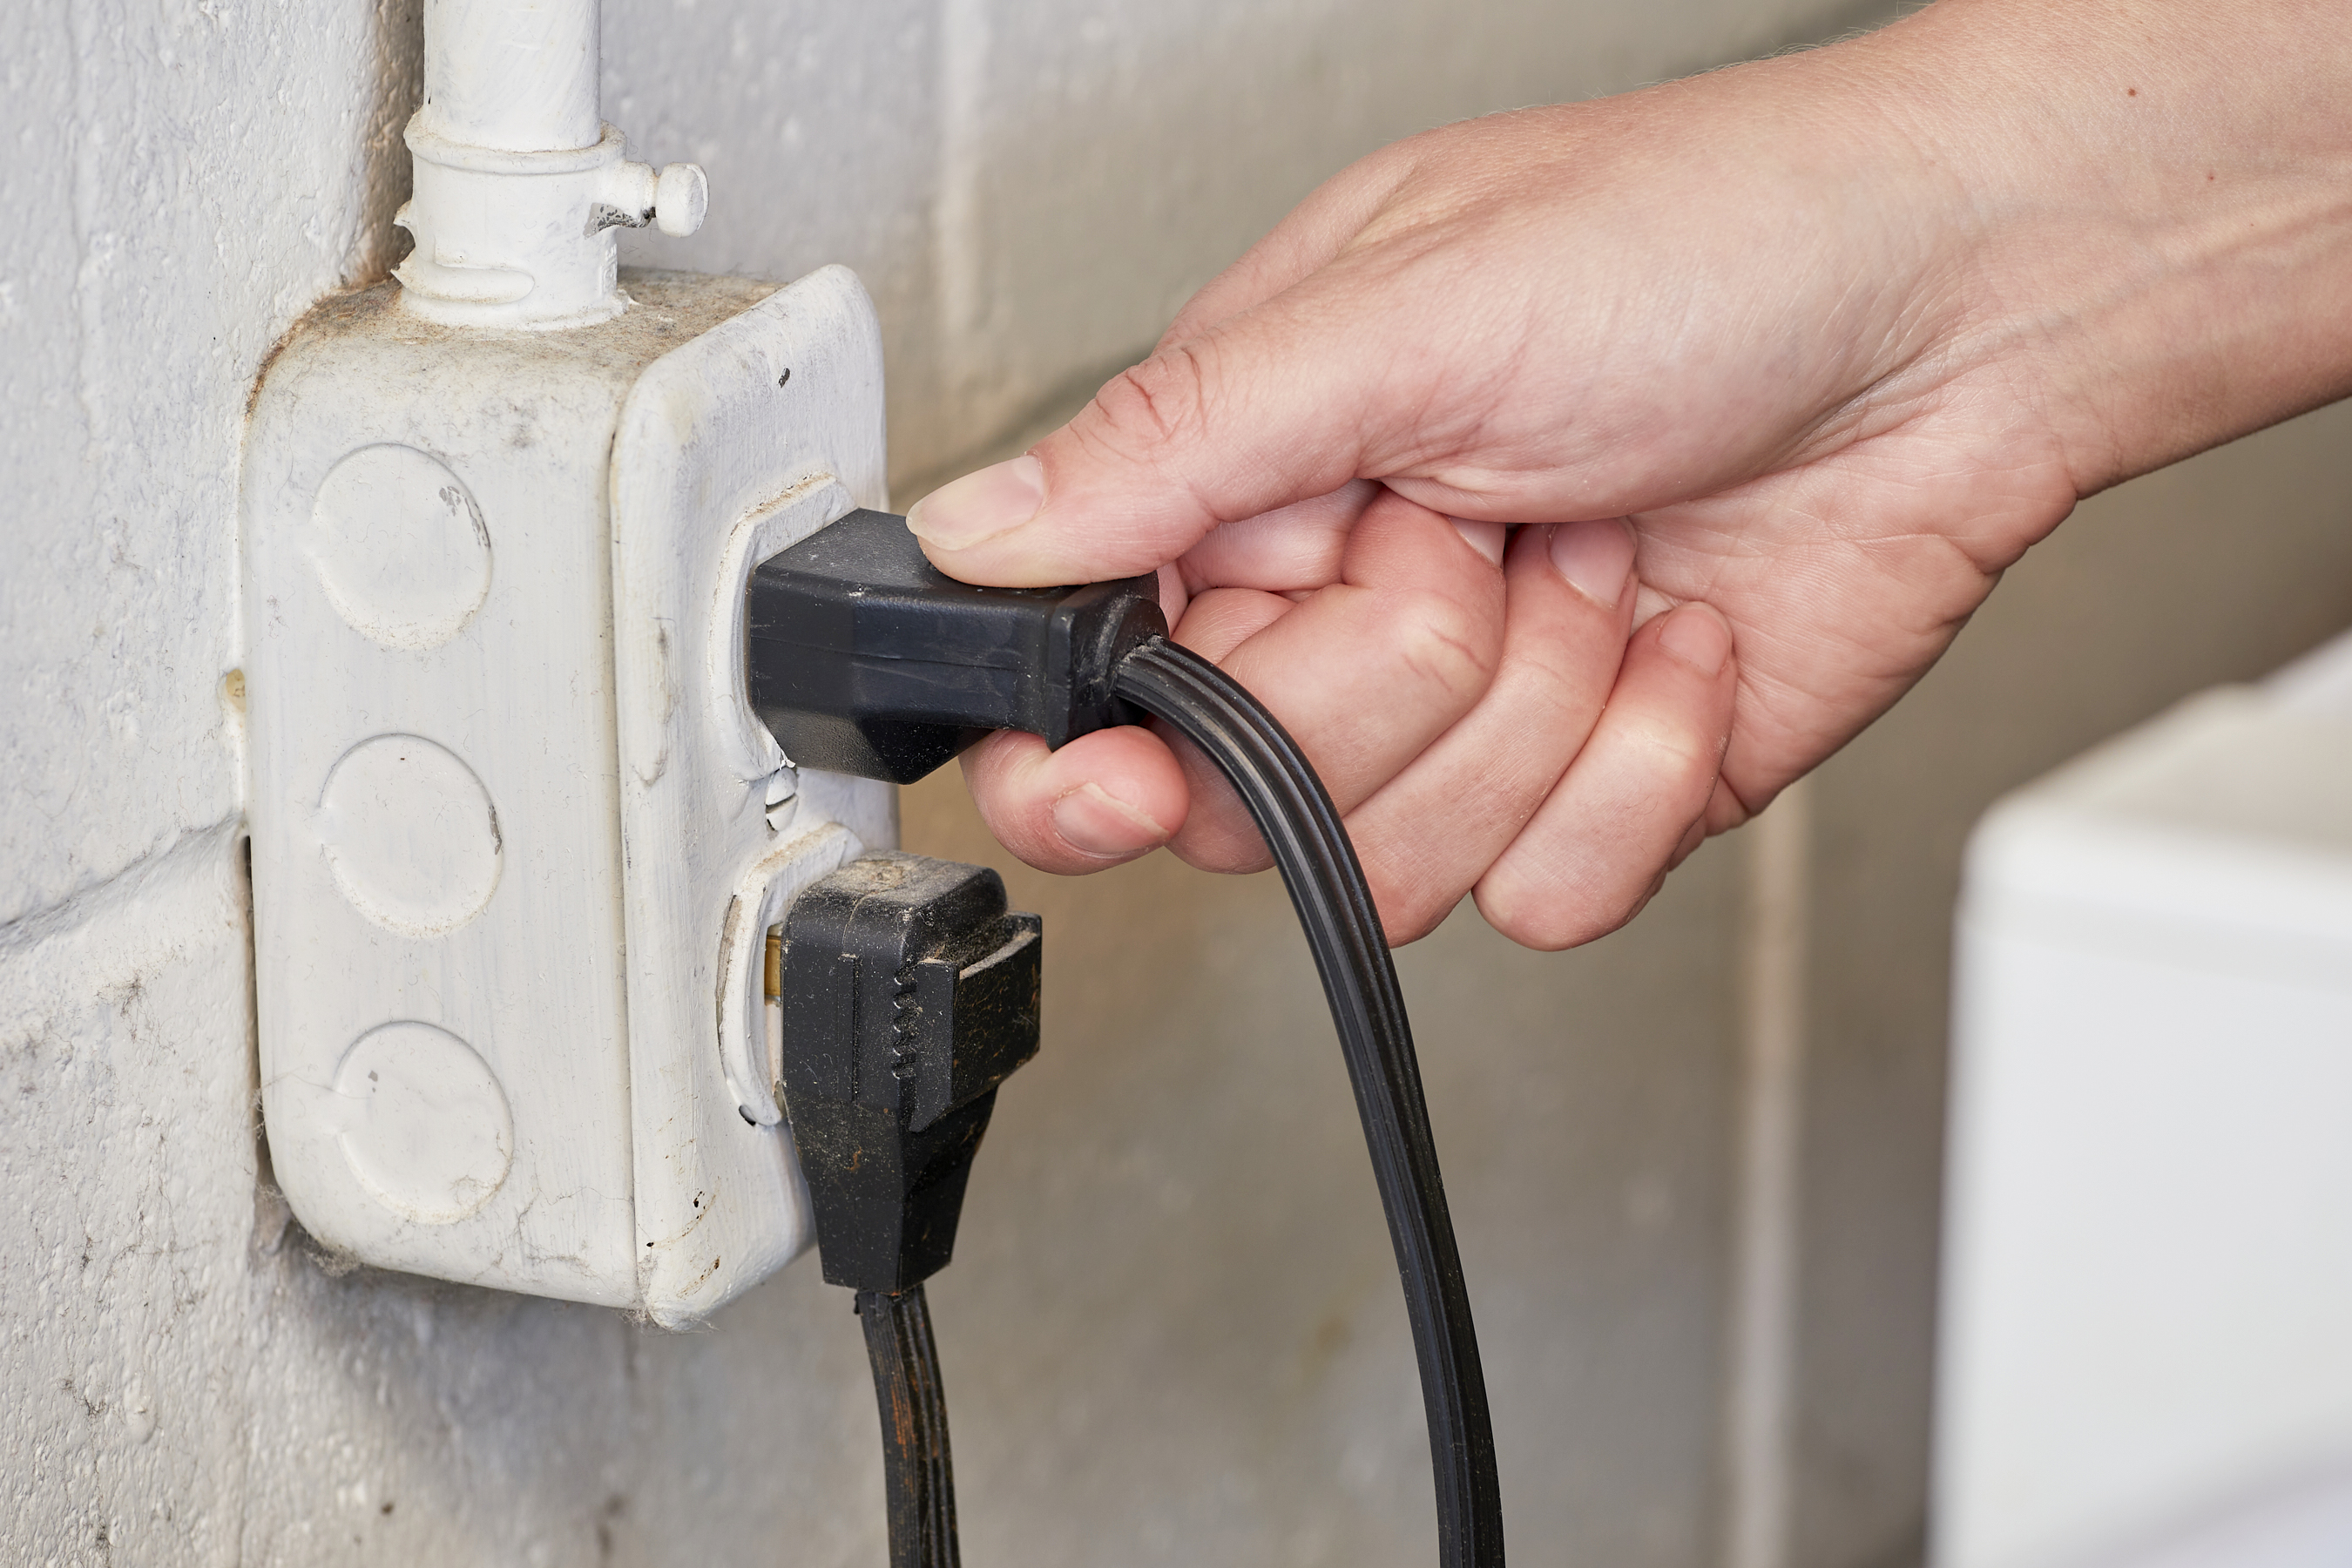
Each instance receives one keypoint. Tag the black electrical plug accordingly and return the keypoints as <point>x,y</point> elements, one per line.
<point>863,658</point>
<point>909,992</point>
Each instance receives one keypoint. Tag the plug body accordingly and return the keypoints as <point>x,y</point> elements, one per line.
<point>910,993</point>
<point>862,658</point>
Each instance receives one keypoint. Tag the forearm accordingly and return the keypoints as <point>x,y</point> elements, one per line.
<point>2154,229</point>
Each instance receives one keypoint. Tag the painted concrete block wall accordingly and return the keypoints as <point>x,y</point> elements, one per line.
<point>1172,1334</point>
<point>178,220</point>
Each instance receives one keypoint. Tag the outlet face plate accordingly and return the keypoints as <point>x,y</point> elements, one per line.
<point>709,478</point>
<point>475,933</point>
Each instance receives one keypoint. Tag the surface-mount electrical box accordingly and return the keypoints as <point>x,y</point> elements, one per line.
<point>517,838</point>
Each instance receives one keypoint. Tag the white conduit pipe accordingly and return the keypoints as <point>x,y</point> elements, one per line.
<point>515,74</point>
<point>518,185</point>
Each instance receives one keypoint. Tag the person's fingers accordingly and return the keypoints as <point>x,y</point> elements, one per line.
<point>1290,549</point>
<point>1364,673</point>
<point>1102,799</point>
<point>1220,619</point>
<point>1598,848</point>
<point>1240,411</point>
<point>1269,408</point>
<point>1571,610</point>
<point>1198,434</point>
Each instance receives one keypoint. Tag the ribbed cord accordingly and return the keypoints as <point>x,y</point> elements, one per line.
<point>918,1476</point>
<point>1335,907</point>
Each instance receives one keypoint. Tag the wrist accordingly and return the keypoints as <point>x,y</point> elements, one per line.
<point>2148,211</point>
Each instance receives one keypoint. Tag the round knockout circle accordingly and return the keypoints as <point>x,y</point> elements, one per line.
<point>410,835</point>
<point>425,1125</point>
<point>400,547</point>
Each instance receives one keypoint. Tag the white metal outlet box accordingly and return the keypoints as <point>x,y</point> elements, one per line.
<point>514,830</point>
<point>2147,1289</point>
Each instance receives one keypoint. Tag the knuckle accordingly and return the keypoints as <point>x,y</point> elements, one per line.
<point>1559,928</point>
<point>1441,642</point>
<point>1682,763</point>
<point>1509,904</point>
<point>1161,403</point>
<point>1212,840</point>
<point>1410,906</point>
<point>1550,914</point>
<point>1407,924</point>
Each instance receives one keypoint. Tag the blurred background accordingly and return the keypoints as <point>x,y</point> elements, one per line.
<point>1695,1165</point>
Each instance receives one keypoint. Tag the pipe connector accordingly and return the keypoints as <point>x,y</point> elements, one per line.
<point>525,240</point>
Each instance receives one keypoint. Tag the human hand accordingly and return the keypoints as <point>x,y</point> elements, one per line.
<point>1813,349</point>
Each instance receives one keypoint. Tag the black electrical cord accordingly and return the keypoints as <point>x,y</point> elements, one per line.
<point>917,1479</point>
<point>1335,907</point>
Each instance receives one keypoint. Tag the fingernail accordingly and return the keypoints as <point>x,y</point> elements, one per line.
<point>996,499</point>
<point>1699,636</point>
<point>1486,538</point>
<point>1093,821</point>
<point>1595,556</point>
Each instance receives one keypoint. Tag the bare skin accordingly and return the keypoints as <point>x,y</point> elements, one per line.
<point>1778,369</point>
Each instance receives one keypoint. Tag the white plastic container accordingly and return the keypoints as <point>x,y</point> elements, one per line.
<point>2147,1290</point>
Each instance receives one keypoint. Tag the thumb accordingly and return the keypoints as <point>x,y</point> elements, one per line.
<point>1266,408</point>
